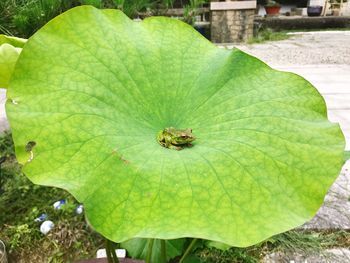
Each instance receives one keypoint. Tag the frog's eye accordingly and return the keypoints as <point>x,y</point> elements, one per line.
<point>184,136</point>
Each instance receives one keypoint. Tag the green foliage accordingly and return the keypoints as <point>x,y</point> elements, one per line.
<point>35,13</point>
<point>133,8</point>
<point>24,17</point>
<point>10,48</point>
<point>13,41</point>
<point>218,245</point>
<point>347,155</point>
<point>20,234</point>
<point>94,109</point>
<point>191,10</point>
<point>209,255</point>
<point>95,3</point>
<point>271,3</point>
<point>268,34</point>
<point>6,145</point>
<point>138,248</point>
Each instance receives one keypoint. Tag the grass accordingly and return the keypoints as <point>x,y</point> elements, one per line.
<point>72,239</point>
<point>22,18</point>
<point>321,29</point>
<point>289,244</point>
<point>268,34</point>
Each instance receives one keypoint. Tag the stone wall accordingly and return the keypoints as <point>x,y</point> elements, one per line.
<point>232,26</point>
<point>302,23</point>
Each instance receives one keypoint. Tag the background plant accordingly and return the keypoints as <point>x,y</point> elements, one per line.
<point>191,10</point>
<point>24,17</point>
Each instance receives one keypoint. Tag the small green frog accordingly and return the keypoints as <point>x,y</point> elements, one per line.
<point>175,139</point>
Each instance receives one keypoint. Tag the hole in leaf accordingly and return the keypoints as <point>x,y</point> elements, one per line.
<point>29,147</point>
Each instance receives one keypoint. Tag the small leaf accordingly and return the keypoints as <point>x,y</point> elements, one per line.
<point>13,41</point>
<point>95,3</point>
<point>347,155</point>
<point>218,245</point>
<point>192,259</point>
<point>8,59</point>
<point>10,48</point>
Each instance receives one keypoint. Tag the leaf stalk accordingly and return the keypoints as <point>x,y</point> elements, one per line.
<point>149,251</point>
<point>110,251</point>
<point>162,251</point>
<point>188,250</point>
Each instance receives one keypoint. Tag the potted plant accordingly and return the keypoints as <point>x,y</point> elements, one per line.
<point>272,8</point>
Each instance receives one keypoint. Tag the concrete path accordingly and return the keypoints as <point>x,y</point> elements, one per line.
<point>335,255</point>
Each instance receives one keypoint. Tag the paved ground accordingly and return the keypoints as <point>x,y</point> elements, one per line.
<point>306,48</point>
<point>339,255</point>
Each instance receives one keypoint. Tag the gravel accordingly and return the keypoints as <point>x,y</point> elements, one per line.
<point>323,47</point>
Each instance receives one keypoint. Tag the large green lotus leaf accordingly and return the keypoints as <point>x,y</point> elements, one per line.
<point>10,48</point>
<point>93,88</point>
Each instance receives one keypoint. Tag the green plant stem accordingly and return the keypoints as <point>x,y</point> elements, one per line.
<point>149,251</point>
<point>188,250</point>
<point>114,255</point>
<point>162,251</point>
<point>110,251</point>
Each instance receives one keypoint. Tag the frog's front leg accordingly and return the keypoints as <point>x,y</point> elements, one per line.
<point>161,139</point>
<point>171,146</point>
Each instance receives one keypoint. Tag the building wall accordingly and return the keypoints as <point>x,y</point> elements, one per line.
<point>232,26</point>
